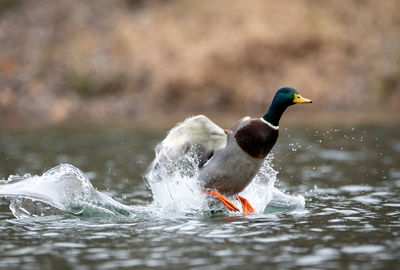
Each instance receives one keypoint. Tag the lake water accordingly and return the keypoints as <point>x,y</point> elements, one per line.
<point>349,179</point>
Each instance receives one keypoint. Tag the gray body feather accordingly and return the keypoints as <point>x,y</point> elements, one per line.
<point>224,164</point>
<point>230,169</point>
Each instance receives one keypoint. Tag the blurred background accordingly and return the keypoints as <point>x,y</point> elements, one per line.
<point>98,61</point>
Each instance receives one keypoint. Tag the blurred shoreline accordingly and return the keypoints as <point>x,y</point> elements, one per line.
<point>131,61</point>
<point>160,122</point>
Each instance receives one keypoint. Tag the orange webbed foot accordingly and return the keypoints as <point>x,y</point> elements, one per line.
<point>246,206</point>
<point>223,199</point>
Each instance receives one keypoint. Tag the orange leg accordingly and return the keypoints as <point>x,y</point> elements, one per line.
<point>222,198</point>
<point>246,206</point>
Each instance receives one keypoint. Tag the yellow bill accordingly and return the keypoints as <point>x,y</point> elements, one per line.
<point>299,99</point>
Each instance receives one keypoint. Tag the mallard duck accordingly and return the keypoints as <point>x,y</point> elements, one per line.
<point>228,160</point>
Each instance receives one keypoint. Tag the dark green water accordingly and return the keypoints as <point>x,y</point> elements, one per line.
<point>350,179</point>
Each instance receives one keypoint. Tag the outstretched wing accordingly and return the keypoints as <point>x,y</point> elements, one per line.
<point>197,134</point>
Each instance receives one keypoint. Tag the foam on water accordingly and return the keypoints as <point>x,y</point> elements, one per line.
<point>174,186</point>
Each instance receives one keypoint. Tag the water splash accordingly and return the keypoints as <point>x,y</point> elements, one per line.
<point>175,187</point>
<point>62,189</point>
<point>65,189</point>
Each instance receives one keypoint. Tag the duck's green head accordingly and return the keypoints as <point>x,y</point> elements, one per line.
<point>284,97</point>
<point>287,96</point>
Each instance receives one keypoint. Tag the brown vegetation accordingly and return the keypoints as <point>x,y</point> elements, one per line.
<point>103,59</point>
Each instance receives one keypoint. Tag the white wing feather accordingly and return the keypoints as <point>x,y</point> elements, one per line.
<point>195,130</point>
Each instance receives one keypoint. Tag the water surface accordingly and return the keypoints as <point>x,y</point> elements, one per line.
<point>349,178</point>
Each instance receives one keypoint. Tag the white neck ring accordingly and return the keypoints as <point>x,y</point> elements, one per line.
<point>269,124</point>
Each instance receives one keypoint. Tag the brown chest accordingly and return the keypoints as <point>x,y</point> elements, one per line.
<point>256,138</point>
